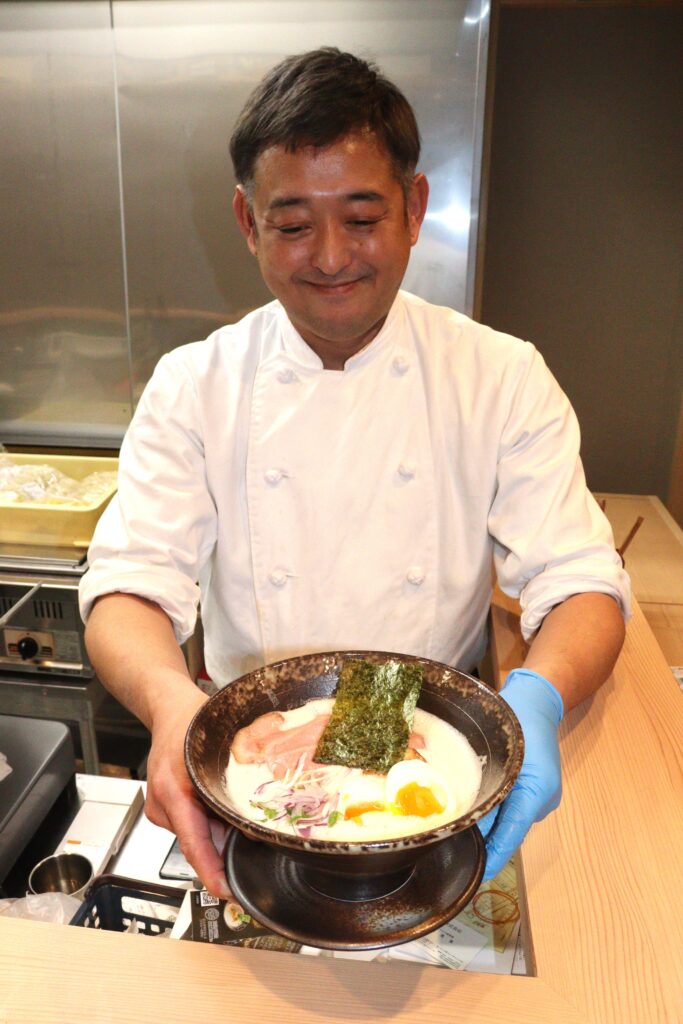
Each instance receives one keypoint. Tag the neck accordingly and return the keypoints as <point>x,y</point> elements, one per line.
<point>334,354</point>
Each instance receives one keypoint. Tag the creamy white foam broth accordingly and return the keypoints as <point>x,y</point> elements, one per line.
<point>451,772</point>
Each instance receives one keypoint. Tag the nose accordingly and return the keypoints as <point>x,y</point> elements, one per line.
<point>332,249</point>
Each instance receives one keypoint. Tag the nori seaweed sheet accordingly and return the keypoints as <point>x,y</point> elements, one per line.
<point>372,715</point>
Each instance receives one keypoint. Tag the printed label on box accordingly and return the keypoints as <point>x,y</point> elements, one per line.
<point>225,922</point>
<point>207,900</point>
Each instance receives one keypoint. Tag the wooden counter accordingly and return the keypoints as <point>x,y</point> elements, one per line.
<point>603,880</point>
<point>654,561</point>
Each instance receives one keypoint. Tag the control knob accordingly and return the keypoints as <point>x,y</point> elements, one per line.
<point>27,647</point>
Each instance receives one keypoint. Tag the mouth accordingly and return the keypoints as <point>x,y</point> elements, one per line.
<point>335,288</point>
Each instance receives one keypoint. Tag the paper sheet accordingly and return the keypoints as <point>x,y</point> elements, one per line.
<point>484,937</point>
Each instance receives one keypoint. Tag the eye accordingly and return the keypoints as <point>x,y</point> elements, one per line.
<point>294,229</point>
<point>363,223</point>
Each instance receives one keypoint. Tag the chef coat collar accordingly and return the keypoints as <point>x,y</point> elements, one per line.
<point>301,353</point>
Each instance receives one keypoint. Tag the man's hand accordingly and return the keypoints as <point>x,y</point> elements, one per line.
<point>576,646</point>
<point>172,801</point>
<point>538,788</point>
<point>133,648</point>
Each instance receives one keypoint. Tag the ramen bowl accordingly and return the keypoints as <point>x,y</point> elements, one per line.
<point>354,872</point>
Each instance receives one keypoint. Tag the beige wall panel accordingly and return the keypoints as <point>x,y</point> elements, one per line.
<point>585,220</point>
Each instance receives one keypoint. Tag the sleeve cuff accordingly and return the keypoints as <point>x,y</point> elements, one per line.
<point>174,593</point>
<point>550,588</point>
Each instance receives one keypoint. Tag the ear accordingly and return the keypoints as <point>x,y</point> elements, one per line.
<point>244,218</point>
<point>416,205</point>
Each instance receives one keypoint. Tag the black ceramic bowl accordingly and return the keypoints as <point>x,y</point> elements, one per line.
<point>346,870</point>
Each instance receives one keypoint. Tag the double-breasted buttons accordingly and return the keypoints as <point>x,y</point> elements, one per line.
<point>294,410</point>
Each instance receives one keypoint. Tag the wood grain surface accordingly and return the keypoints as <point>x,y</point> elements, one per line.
<point>654,559</point>
<point>602,878</point>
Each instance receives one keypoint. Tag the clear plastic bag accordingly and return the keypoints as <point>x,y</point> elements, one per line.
<point>54,907</point>
<point>43,484</point>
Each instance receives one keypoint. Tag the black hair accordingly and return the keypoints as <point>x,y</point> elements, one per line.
<point>317,98</point>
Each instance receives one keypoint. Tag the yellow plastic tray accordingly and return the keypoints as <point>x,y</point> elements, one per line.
<point>60,525</point>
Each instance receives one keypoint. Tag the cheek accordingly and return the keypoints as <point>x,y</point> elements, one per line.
<point>390,252</point>
<point>279,258</point>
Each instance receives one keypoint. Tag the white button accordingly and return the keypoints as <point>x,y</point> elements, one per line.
<point>286,376</point>
<point>407,470</point>
<point>415,575</point>
<point>400,365</point>
<point>278,577</point>
<point>273,476</point>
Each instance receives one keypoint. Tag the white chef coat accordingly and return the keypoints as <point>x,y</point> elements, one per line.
<point>318,510</point>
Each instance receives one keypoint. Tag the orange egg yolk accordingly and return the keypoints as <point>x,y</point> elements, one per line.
<point>355,810</point>
<point>419,800</point>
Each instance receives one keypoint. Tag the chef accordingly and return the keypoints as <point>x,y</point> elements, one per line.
<point>341,469</point>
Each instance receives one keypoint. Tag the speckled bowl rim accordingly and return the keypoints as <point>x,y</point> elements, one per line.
<point>331,846</point>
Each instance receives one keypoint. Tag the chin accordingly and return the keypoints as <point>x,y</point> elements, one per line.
<point>343,330</point>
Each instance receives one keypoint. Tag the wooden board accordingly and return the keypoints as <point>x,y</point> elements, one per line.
<point>602,877</point>
<point>654,559</point>
<point>666,622</point>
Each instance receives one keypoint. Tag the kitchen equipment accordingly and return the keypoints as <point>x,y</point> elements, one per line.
<point>41,632</point>
<point>107,812</point>
<point>44,666</point>
<point>345,880</point>
<point>42,759</point>
<point>69,873</point>
<point>45,670</point>
<point>42,559</point>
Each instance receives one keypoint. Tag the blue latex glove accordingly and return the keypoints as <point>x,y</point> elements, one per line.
<point>538,788</point>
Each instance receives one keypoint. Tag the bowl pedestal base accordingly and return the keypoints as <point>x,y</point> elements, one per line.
<point>338,908</point>
<point>354,888</point>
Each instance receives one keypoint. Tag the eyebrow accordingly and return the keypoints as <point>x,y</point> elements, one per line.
<point>282,202</point>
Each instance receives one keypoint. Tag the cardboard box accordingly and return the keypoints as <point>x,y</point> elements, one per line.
<point>225,922</point>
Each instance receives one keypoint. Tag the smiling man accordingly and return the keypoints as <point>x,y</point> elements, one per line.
<point>333,245</point>
<point>340,470</point>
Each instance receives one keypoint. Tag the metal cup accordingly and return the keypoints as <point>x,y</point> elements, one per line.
<point>70,873</point>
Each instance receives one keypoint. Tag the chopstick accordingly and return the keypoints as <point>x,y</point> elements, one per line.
<point>631,534</point>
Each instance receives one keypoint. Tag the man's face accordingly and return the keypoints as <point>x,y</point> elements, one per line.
<point>332,231</point>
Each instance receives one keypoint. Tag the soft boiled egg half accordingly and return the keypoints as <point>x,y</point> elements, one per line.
<point>413,787</point>
<point>410,789</point>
